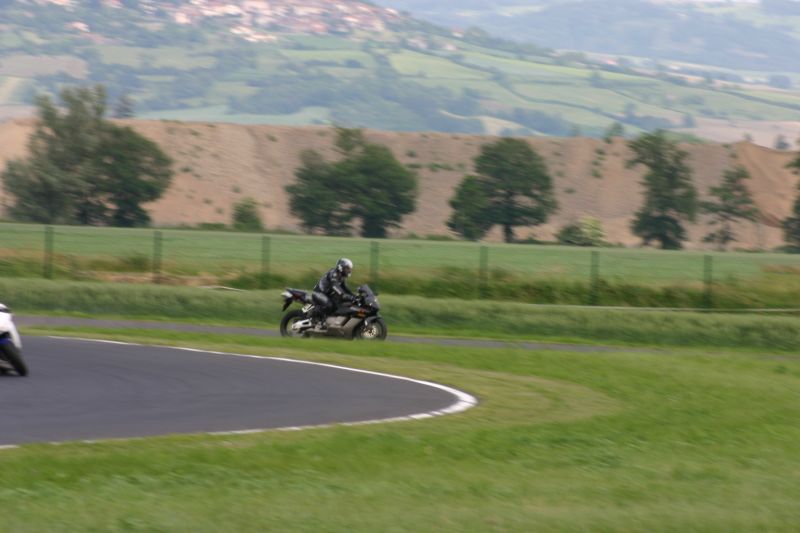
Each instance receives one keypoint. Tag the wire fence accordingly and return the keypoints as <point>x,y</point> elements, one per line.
<point>478,270</point>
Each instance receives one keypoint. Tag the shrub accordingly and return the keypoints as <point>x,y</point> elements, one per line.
<point>246,216</point>
<point>586,232</point>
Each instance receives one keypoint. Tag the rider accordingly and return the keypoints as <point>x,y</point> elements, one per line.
<point>331,290</point>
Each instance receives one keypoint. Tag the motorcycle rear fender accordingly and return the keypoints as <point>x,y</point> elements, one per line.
<point>287,299</point>
<point>290,297</point>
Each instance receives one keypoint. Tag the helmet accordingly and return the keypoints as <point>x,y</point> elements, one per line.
<point>344,267</point>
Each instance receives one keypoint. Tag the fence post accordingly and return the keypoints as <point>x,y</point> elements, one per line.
<point>483,273</point>
<point>266,249</point>
<point>708,282</point>
<point>374,258</point>
<point>157,251</point>
<point>594,295</point>
<point>48,252</point>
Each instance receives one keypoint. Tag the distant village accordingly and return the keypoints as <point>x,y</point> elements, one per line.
<point>257,20</point>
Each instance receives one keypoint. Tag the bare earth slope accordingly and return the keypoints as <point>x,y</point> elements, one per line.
<point>218,164</point>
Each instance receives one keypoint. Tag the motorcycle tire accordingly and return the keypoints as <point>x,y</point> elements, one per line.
<point>14,358</point>
<point>286,323</point>
<point>374,331</point>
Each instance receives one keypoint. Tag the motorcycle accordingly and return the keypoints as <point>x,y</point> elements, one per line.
<point>10,345</point>
<point>359,319</point>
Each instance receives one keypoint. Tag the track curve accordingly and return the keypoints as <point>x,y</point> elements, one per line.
<point>90,390</point>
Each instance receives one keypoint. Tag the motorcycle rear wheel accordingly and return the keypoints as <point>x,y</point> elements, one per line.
<point>288,320</point>
<point>11,354</point>
<point>374,331</point>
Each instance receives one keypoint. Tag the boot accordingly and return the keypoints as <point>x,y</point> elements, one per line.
<point>319,316</point>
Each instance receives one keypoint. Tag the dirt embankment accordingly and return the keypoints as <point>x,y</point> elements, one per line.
<point>218,164</point>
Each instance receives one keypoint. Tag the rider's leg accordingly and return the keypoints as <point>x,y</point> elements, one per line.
<point>321,307</point>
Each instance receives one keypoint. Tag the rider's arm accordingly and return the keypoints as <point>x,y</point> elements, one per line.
<point>347,289</point>
<point>342,290</point>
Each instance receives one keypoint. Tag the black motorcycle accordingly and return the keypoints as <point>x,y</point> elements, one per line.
<point>359,319</point>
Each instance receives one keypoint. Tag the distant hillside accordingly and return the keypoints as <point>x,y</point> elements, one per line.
<point>218,164</point>
<point>354,64</point>
<point>739,35</point>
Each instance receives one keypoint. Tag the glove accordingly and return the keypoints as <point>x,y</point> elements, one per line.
<point>348,298</point>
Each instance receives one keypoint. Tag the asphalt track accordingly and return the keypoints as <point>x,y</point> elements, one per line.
<point>86,390</point>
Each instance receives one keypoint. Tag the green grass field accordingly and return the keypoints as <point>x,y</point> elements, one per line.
<point>409,63</point>
<point>219,113</point>
<point>219,252</point>
<point>668,441</point>
<point>165,56</point>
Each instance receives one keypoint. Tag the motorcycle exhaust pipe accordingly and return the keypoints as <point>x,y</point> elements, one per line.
<point>301,325</point>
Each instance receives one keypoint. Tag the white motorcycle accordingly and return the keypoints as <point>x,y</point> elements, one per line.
<point>10,345</point>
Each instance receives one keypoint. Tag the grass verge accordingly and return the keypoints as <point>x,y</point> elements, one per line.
<point>415,315</point>
<point>633,441</point>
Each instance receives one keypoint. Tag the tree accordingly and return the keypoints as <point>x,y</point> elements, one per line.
<point>734,201</point>
<point>614,130</point>
<point>596,79</point>
<point>246,216</point>
<point>780,81</point>
<point>781,143</point>
<point>470,210</point>
<point>83,169</point>
<point>670,196</point>
<point>382,189</point>
<point>43,192</point>
<point>131,170</point>
<point>517,186</point>
<point>791,225</point>
<point>124,108</point>
<point>314,198</point>
<point>367,183</point>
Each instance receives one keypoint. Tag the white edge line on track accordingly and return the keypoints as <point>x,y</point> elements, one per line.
<point>463,402</point>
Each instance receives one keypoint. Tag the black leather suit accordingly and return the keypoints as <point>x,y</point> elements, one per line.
<point>330,291</point>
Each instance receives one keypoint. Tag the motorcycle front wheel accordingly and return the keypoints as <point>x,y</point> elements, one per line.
<point>288,321</point>
<point>374,331</point>
<point>11,354</point>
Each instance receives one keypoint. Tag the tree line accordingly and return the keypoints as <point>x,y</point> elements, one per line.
<point>84,169</point>
<point>512,187</point>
